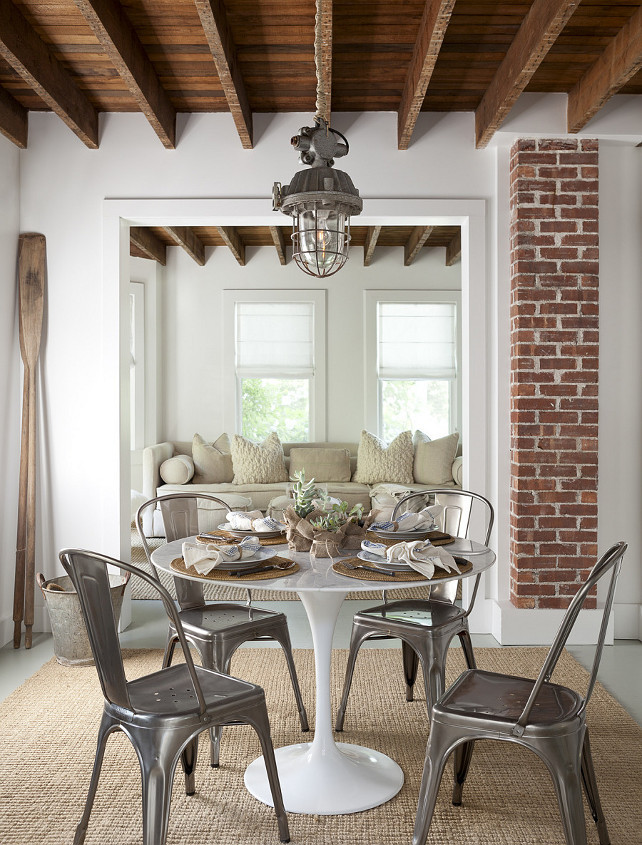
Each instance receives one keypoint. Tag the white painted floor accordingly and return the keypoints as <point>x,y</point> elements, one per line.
<point>620,669</point>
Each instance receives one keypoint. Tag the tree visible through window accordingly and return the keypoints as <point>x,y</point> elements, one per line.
<point>272,404</point>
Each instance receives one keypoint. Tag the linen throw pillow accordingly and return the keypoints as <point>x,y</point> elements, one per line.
<point>177,470</point>
<point>212,461</point>
<point>258,463</point>
<point>377,462</point>
<point>434,459</point>
<point>320,463</point>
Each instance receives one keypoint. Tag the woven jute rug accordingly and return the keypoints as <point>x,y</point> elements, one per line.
<point>50,724</point>
<point>223,592</point>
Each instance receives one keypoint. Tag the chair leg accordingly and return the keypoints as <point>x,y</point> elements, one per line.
<point>215,746</point>
<point>259,720</point>
<point>188,762</point>
<point>433,664</point>
<point>282,636</point>
<point>410,666</point>
<point>463,756</point>
<point>593,796</point>
<point>158,763</point>
<point>357,637</point>
<point>467,646</point>
<point>103,733</point>
<point>564,763</point>
<point>437,751</point>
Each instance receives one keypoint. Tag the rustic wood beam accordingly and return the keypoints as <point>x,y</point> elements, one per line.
<point>30,57</point>
<point>118,38</point>
<point>232,238</point>
<point>415,242</point>
<point>535,37</point>
<point>453,250</point>
<point>279,242</point>
<point>217,31</point>
<point>187,238</point>
<point>323,57</point>
<point>13,119</point>
<point>372,236</point>
<point>434,22</point>
<point>621,60</point>
<point>147,243</point>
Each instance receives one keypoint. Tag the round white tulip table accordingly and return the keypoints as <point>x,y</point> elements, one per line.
<point>324,777</point>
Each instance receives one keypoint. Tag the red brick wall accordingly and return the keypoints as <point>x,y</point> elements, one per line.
<point>554,368</point>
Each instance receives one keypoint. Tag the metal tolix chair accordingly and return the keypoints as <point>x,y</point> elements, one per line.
<point>217,629</point>
<point>163,713</point>
<point>547,718</point>
<point>425,643</point>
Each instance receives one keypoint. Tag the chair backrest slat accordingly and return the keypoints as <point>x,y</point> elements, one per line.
<point>610,560</point>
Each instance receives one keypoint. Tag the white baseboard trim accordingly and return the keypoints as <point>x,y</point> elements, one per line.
<point>515,626</point>
<point>40,625</point>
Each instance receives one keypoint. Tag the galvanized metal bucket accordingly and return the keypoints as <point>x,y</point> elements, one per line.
<point>70,640</point>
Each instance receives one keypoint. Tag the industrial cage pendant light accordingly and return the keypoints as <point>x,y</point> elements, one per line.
<point>319,200</point>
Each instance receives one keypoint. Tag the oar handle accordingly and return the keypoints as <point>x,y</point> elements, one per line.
<point>21,539</point>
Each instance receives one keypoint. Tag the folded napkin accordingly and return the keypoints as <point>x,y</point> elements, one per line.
<point>205,557</point>
<point>252,521</point>
<point>420,554</point>
<point>425,519</point>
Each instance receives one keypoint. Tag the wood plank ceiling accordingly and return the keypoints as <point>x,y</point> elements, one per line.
<point>78,58</point>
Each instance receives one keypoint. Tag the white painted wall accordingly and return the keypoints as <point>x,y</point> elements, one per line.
<point>10,380</point>
<point>192,329</point>
<point>80,429</point>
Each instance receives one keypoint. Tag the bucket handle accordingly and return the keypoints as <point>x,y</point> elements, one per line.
<point>40,579</point>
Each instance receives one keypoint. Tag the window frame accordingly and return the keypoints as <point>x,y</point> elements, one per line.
<point>372,382</point>
<point>317,381</point>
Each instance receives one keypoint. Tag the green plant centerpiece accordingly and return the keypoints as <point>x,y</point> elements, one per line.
<point>320,524</point>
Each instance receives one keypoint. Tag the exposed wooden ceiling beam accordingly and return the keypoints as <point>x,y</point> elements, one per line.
<point>217,31</point>
<point>415,242</point>
<point>372,236</point>
<point>453,250</point>
<point>434,22</point>
<point>125,51</point>
<point>535,37</point>
<point>621,60</point>
<point>14,122</point>
<point>30,57</point>
<point>232,238</point>
<point>189,240</point>
<point>279,242</point>
<point>323,57</point>
<point>147,243</point>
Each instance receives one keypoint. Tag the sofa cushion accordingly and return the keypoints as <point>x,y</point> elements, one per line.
<point>377,462</point>
<point>258,463</point>
<point>212,461</point>
<point>320,463</point>
<point>433,463</point>
<point>177,470</point>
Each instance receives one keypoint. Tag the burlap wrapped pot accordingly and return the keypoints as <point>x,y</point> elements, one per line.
<point>303,537</point>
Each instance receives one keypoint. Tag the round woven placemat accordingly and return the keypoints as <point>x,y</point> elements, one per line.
<point>366,575</point>
<point>225,575</point>
<point>264,541</point>
<point>437,538</point>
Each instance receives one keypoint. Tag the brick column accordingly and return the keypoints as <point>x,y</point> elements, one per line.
<point>554,369</point>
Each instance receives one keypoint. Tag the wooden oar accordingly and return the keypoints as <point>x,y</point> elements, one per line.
<point>31,287</point>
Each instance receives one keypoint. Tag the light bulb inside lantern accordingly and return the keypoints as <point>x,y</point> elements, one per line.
<point>322,240</point>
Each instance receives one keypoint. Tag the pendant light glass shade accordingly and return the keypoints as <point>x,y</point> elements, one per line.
<point>320,240</point>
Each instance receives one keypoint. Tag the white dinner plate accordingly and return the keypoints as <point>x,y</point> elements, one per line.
<point>383,563</point>
<point>415,534</point>
<point>464,547</point>
<point>241,532</point>
<point>248,562</point>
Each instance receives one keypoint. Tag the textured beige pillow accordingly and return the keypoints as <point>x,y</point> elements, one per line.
<point>377,462</point>
<point>433,463</point>
<point>212,462</point>
<point>258,463</point>
<point>177,470</point>
<point>320,463</point>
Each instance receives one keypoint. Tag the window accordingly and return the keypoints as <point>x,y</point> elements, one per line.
<point>412,340</point>
<point>278,366</point>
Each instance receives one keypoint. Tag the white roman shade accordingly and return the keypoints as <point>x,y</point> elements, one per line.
<point>275,339</point>
<point>416,340</point>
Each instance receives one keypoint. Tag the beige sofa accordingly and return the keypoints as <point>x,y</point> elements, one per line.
<point>266,497</point>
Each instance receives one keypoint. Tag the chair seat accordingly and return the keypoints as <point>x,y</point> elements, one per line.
<point>487,696</point>
<point>209,621</point>
<point>430,614</point>
<point>170,692</point>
